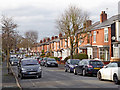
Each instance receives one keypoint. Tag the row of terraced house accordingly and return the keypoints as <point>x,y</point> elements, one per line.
<point>102,41</point>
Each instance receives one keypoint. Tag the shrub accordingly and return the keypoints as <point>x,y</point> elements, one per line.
<point>77,56</point>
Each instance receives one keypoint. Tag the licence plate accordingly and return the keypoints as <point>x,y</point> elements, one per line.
<point>96,68</point>
<point>31,72</point>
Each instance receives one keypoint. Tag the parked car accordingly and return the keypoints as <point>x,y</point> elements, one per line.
<point>43,61</point>
<point>87,66</point>
<point>110,72</point>
<point>51,62</point>
<point>14,61</point>
<point>39,60</point>
<point>70,64</point>
<point>29,67</point>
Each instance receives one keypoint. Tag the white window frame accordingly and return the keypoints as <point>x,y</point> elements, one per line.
<point>94,37</point>
<point>105,34</point>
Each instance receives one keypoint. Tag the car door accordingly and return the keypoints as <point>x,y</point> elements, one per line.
<point>80,67</point>
<point>19,67</point>
<point>107,71</point>
<point>67,64</point>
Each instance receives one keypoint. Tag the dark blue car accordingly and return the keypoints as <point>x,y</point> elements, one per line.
<point>70,64</point>
<point>87,66</point>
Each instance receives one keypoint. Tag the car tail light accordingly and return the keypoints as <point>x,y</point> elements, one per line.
<point>89,66</point>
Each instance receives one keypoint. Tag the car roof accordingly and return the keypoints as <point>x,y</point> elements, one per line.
<point>28,59</point>
<point>91,59</point>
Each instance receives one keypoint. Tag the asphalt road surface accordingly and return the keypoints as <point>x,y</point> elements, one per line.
<point>55,77</point>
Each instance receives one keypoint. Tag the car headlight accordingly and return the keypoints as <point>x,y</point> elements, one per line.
<point>71,66</point>
<point>48,63</point>
<point>12,62</point>
<point>23,70</point>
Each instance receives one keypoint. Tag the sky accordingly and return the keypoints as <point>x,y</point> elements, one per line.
<point>40,15</point>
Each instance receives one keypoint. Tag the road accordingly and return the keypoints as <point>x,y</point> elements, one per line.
<point>53,77</point>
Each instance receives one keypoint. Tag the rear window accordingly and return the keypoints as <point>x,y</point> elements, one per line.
<point>74,61</point>
<point>51,60</point>
<point>96,63</point>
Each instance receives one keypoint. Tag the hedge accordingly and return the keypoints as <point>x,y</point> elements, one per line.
<point>77,56</point>
<point>56,58</point>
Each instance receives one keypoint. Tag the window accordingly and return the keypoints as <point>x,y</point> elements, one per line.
<point>65,44</point>
<point>106,34</point>
<point>94,37</point>
<point>58,45</point>
<point>61,43</point>
<point>115,52</point>
<point>55,45</point>
<point>88,39</point>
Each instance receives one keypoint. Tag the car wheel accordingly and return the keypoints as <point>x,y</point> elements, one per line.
<point>75,72</point>
<point>84,72</point>
<point>69,70</point>
<point>21,76</point>
<point>40,75</point>
<point>99,76</point>
<point>65,69</point>
<point>37,76</point>
<point>115,79</point>
<point>18,75</point>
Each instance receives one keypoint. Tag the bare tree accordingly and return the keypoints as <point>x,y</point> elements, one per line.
<point>70,22</point>
<point>8,34</point>
<point>31,38</point>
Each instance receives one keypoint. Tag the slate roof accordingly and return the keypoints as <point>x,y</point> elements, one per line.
<point>108,22</point>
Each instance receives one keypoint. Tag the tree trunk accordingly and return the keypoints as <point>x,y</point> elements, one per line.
<point>8,60</point>
<point>71,52</point>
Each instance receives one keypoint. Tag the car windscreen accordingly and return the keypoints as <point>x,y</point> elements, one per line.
<point>95,63</point>
<point>74,62</point>
<point>29,62</point>
<point>118,64</point>
<point>51,60</point>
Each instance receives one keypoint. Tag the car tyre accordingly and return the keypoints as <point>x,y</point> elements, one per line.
<point>65,69</point>
<point>21,76</point>
<point>18,75</point>
<point>115,79</point>
<point>69,71</point>
<point>75,72</point>
<point>84,72</point>
<point>99,76</point>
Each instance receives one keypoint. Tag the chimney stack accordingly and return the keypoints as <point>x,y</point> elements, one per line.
<point>103,17</point>
<point>56,37</point>
<point>44,40</point>
<point>52,37</point>
<point>88,23</point>
<point>40,41</point>
<point>48,39</point>
<point>60,35</point>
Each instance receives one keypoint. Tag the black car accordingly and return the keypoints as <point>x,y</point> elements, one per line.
<point>29,67</point>
<point>87,66</point>
<point>70,64</point>
<point>51,62</point>
<point>42,63</point>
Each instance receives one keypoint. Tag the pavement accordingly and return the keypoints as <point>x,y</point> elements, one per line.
<point>8,80</point>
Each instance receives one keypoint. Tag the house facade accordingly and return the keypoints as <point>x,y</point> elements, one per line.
<point>102,41</point>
